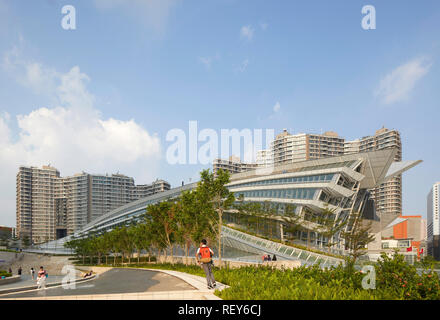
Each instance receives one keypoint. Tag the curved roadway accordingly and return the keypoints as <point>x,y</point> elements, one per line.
<point>114,281</point>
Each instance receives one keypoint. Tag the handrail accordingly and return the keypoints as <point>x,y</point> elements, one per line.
<point>267,245</point>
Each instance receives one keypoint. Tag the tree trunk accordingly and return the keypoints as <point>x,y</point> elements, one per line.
<point>139,255</point>
<point>186,253</point>
<point>172,253</point>
<point>308,238</point>
<point>220,213</point>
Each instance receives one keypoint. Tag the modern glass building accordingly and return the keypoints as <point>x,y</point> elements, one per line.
<point>338,183</point>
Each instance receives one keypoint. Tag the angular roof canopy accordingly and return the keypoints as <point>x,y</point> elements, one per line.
<point>378,167</point>
<point>395,222</point>
<point>397,168</point>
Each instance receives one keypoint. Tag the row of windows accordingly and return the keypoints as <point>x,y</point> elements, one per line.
<point>329,166</point>
<point>315,178</point>
<point>301,193</point>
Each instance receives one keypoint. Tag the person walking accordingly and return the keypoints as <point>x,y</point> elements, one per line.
<point>19,271</point>
<point>41,278</point>
<point>274,258</point>
<point>32,273</point>
<point>10,270</point>
<point>204,258</point>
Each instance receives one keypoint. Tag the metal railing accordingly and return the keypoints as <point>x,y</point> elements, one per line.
<point>282,251</point>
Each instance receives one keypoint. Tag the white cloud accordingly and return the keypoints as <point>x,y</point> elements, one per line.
<point>30,74</point>
<point>207,61</point>
<point>247,32</point>
<point>399,83</point>
<point>72,135</point>
<point>153,13</point>
<point>275,110</point>
<point>243,65</point>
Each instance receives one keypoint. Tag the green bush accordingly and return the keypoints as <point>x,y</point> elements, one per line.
<point>4,273</point>
<point>403,281</point>
<point>8,250</point>
<point>78,260</point>
<point>395,280</point>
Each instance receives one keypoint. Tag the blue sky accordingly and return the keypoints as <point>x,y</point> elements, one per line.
<point>102,98</point>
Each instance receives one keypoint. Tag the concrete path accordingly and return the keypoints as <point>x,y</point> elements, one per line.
<point>128,283</point>
<point>26,281</point>
<point>52,264</point>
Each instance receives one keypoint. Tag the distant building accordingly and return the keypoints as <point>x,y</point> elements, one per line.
<point>407,233</point>
<point>352,146</point>
<point>387,196</point>
<point>288,148</point>
<point>36,190</point>
<point>146,190</point>
<point>433,225</point>
<point>6,233</point>
<point>51,207</point>
<point>338,183</point>
<point>232,165</point>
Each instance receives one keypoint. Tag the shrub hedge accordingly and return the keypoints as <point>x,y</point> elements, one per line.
<point>395,280</point>
<point>4,273</point>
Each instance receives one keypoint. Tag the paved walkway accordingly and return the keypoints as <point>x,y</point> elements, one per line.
<point>26,281</point>
<point>128,284</point>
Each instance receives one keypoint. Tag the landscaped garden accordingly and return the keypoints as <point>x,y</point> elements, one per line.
<point>395,280</point>
<point>198,214</point>
<point>4,274</point>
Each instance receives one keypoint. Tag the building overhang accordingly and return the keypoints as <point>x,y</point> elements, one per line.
<point>397,168</point>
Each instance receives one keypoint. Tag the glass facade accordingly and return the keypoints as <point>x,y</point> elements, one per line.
<point>330,166</point>
<point>299,193</point>
<point>305,179</point>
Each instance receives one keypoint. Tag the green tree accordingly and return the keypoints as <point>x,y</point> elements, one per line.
<point>127,242</point>
<point>164,221</point>
<point>106,245</point>
<point>292,221</point>
<point>140,238</point>
<point>189,220</point>
<point>26,241</point>
<point>330,225</point>
<point>309,224</point>
<point>253,211</point>
<point>115,243</point>
<point>357,237</point>
<point>216,198</point>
